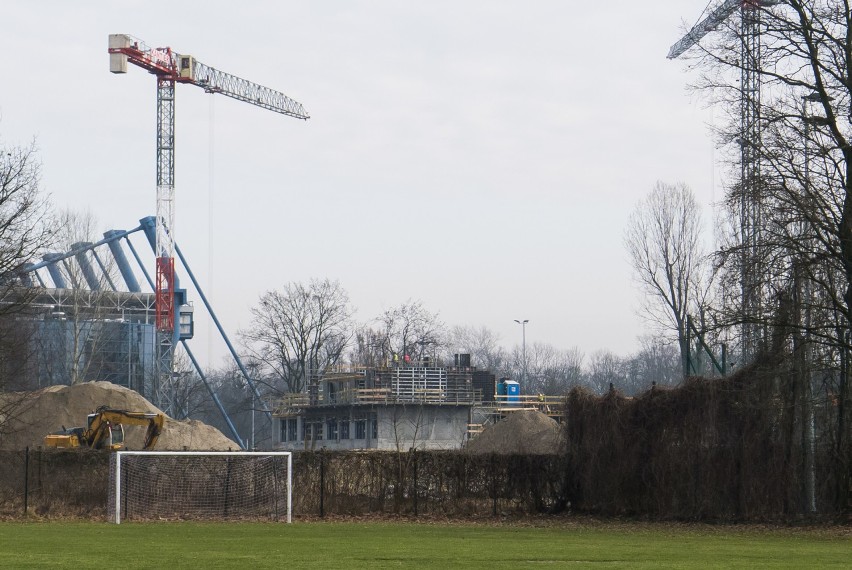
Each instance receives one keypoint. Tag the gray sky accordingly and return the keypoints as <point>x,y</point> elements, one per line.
<point>482,157</point>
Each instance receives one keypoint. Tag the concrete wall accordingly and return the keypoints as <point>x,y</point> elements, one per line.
<point>390,427</point>
<point>423,427</point>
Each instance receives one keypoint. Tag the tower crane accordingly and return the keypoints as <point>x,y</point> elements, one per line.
<point>749,140</point>
<point>170,68</point>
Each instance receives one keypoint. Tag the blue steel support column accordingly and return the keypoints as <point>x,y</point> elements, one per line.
<point>213,395</point>
<point>79,249</point>
<point>121,260</point>
<point>149,226</point>
<point>104,270</point>
<point>25,275</point>
<point>53,269</point>
<point>222,332</point>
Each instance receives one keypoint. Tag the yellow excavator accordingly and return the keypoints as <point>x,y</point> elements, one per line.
<point>105,430</point>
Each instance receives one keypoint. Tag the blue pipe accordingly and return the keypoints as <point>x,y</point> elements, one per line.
<point>121,260</point>
<point>141,265</point>
<point>216,400</point>
<point>104,270</point>
<point>222,332</point>
<point>40,280</point>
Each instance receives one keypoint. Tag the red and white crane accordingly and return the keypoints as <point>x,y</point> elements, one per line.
<point>170,67</point>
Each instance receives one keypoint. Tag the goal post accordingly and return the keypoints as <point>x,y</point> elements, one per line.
<point>201,485</point>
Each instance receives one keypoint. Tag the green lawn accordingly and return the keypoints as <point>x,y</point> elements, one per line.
<point>351,545</point>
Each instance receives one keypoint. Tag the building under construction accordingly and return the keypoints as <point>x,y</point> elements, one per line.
<point>401,407</point>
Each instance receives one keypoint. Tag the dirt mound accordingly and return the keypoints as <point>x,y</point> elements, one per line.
<point>39,413</point>
<point>524,431</point>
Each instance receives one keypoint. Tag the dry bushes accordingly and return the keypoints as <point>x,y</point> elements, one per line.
<point>440,483</point>
<point>713,449</point>
<point>55,483</point>
<point>74,483</point>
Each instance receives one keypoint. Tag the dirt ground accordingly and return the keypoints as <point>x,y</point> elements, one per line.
<point>31,416</point>
<point>524,431</point>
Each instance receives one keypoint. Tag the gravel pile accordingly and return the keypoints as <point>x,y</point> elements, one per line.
<point>36,414</point>
<point>524,431</point>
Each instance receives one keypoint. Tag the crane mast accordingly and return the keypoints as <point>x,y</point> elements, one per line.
<point>750,144</point>
<point>170,68</point>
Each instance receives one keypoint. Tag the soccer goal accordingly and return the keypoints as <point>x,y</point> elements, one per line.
<point>201,485</point>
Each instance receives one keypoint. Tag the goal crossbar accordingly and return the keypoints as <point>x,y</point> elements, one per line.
<point>119,455</point>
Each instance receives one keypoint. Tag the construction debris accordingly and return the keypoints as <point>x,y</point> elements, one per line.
<point>36,414</point>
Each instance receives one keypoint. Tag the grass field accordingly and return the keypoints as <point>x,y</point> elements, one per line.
<point>410,545</point>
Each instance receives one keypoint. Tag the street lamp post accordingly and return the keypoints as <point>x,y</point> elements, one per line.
<point>524,347</point>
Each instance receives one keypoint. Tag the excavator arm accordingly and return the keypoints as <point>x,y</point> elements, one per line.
<point>103,429</point>
<point>106,417</point>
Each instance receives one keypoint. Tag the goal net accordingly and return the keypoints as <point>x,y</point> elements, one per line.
<point>201,485</point>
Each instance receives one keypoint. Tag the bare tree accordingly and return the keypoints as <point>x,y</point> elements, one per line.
<point>25,228</point>
<point>299,332</point>
<point>656,363</point>
<point>550,371</point>
<point>802,199</point>
<point>410,330</point>
<point>790,246</point>
<point>605,370</point>
<point>367,348</point>
<point>483,346</point>
<point>25,222</point>
<point>663,241</point>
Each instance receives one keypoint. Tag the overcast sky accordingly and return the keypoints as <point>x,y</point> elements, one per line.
<point>482,157</point>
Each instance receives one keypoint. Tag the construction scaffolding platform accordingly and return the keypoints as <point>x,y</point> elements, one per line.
<point>551,406</point>
<point>429,385</point>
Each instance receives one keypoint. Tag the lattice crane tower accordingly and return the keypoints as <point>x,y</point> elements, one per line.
<point>750,144</point>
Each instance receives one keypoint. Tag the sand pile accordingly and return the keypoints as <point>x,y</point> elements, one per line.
<point>39,413</point>
<point>524,431</point>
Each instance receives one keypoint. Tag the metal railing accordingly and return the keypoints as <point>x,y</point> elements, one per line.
<point>287,403</point>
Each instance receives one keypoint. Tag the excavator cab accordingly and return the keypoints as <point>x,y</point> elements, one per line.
<point>111,435</point>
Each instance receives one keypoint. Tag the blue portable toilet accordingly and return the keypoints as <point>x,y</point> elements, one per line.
<point>513,391</point>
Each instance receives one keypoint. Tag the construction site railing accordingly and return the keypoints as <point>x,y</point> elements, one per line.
<point>550,405</point>
<point>372,396</point>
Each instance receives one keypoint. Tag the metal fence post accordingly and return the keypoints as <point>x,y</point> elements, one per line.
<point>26,479</point>
<point>414,461</point>
<point>322,484</point>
